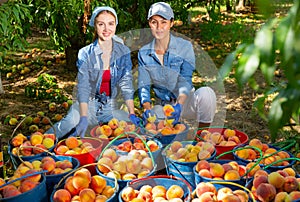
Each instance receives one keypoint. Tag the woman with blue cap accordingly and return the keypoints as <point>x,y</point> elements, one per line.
<point>166,65</point>
<point>104,71</point>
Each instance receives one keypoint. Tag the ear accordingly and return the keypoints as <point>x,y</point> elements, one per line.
<point>172,23</point>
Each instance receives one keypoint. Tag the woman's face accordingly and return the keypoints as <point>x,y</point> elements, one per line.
<point>160,27</point>
<point>105,24</point>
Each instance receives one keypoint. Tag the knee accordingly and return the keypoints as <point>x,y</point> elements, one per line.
<point>205,93</point>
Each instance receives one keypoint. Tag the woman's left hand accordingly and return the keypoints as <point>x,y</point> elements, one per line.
<point>135,120</point>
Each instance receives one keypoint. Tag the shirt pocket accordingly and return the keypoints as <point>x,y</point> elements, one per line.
<point>176,64</point>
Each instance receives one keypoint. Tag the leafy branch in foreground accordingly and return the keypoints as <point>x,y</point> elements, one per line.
<point>276,46</point>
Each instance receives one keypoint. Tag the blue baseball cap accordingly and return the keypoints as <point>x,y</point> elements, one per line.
<point>97,10</point>
<point>162,9</point>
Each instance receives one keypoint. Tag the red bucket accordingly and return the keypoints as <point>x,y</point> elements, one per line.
<point>221,149</point>
<point>89,157</point>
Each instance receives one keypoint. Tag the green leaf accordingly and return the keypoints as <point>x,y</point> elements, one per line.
<point>268,72</point>
<point>274,117</point>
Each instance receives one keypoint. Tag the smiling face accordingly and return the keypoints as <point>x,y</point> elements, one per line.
<point>160,27</point>
<point>105,25</point>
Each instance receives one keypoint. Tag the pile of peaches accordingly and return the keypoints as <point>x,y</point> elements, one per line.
<point>132,165</point>
<point>188,152</point>
<point>230,170</point>
<point>82,186</point>
<point>227,138</point>
<point>113,129</point>
<point>280,185</point>
<point>73,146</point>
<point>23,185</point>
<point>206,191</point>
<point>137,144</point>
<point>270,154</point>
<point>32,143</point>
<point>153,193</point>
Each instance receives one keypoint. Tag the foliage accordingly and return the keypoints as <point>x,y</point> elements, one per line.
<point>45,88</point>
<point>276,46</point>
<point>15,23</point>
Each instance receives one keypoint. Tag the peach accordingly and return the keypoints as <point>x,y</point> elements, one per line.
<point>70,187</point>
<point>48,142</point>
<point>283,154</point>
<point>290,184</point>
<point>150,126</point>
<point>113,123</point>
<point>108,191</point>
<point>294,195</point>
<point>128,176</point>
<point>175,146</point>
<point>118,131</point>
<point>207,197</point>
<point>71,142</point>
<point>98,184</point>
<point>50,135</point>
<point>10,191</point>
<point>204,187</point>
<point>81,179</point>
<point>167,131</point>
<point>143,173</point>
<point>202,164</point>
<point>229,133</point>
<point>39,148</point>
<point>147,163</point>
<point>87,195</point>
<point>36,138</point>
<point>128,194</point>
<point>34,178</point>
<point>259,179</point>
<point>104,130</point>
<point>222,192</point>
<point>138,200</point>
<point>17,140</point>
<point>65,164</point>
<point>134,166</point>
<point>256,143</point>
<point>235,139</point>
<point>110,153</point>
<point>146,188</point>
<point>216,170</point>
<point>168,110</point>
<point>62,149</point>
<point>282,196</point>
<point>204,154</point>
<point>205,173</point>
<point>146,196</point>
<point>105,164</point>
<point>120,166</point>
<point>243,153</point>
<point>153,146</point>
<point>101,198</point>
<point>253,168</point>
<point>61,195</point>
<point>191,157</point>
<point>242,170</point>
<point>127,146</point>
<point>26,151</point>
<point>243,196</point>
<point>181,152</point>
<point>159,191</point>
<point>174,191</point>
<point>216,138</point>
<point>114,174</point>
<point>27,185</point>
<point>48,165</point>
<point>276,179</point>
<point>122,124</point>
<point>56,171</point>
<point>180,127</point>
<point>260,172</point>
<point>290,171</point>
<point>265,192</point>
<point>252,154</point>
<point>160,125</point>
<point>232,175</point>
<point>283,173</point>
<point>231,198</point>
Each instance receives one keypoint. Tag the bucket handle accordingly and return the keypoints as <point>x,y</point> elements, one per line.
<point>166,177</point>
<point>23,177</point>
<point>116,187</point>
<point>33,147</point>
<point>133,133</point>
<point>230,183</point>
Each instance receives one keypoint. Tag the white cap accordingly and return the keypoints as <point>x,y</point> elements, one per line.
<point>162,9</point>
<point>97,10</point>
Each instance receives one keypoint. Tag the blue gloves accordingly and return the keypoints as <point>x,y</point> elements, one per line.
<point>81,126</point>
<point>176,113</point>
<point>135,120</point>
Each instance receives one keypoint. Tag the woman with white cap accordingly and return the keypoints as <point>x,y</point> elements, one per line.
<point>104,70</point>
<point>166,65</point>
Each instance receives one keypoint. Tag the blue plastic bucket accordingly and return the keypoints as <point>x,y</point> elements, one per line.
<point>109,182</point>
<point>52,180</point>
<point>269,168</point>
<point>182,170</point>
<point>199,178</point>
<point>16,160</point>
<point>164,180</point>
<point>37,194</point>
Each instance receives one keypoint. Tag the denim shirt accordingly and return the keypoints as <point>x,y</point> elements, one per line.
<point>170,79</point>
<point>90,71</point>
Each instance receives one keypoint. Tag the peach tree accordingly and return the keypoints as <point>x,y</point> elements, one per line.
<point>276,47</point>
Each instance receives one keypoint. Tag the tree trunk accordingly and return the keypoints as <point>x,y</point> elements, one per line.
<point>240,6</point>
<point>1,86</point>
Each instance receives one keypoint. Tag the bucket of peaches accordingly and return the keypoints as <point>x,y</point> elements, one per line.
<point>82,185</point>
<point>111,129</point>
<point>270,157</point>
<point>224,139</point>
<point>156,188</point>
<point>125,166</point>
<point>29,147</point>
<point>164,130</point>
